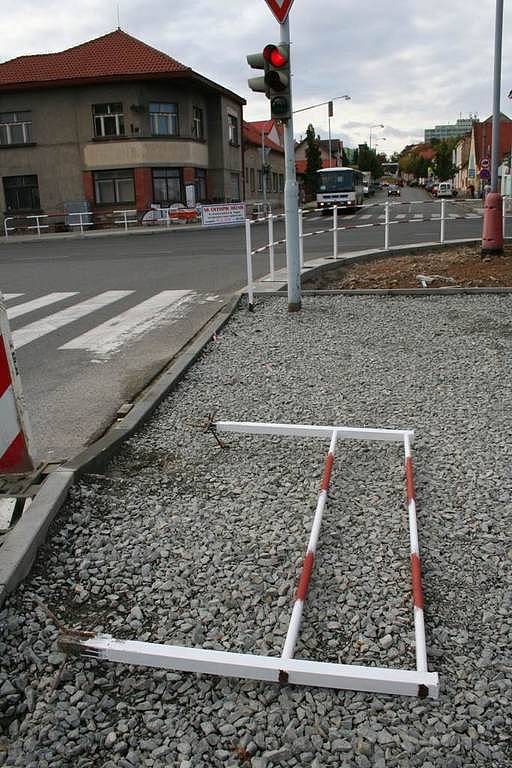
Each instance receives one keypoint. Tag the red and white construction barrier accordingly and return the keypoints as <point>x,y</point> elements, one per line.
<point>14,431</point>
<point>286,669</point>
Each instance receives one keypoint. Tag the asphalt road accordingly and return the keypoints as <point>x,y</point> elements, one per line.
<point>94,319</point>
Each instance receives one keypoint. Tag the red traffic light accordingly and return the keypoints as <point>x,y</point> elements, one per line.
<point>276,56</point>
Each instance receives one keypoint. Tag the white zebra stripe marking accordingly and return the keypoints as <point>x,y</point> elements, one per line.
<point>418,216</point>
<point>366,216</point>
<point>123,328</point>
<point>42,301</point>
<point>401,216</point>
<point>8,296</point>
<point>53,322</point>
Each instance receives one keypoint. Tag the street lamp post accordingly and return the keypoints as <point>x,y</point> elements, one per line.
<point>492,235</point>
<point>379,125</point>
<point>330,113</point>
<point>377,142</point>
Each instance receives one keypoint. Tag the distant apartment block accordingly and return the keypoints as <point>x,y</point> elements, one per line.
<point>114,123</point>
<point>450,131</point>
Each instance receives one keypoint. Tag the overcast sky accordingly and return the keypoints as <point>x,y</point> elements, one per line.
<point>408,64</point>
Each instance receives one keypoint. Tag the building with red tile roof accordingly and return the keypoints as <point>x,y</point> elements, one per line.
<point>113,122</point>
<point>264,178</point>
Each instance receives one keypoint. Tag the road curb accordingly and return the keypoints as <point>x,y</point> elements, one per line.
<point>327,264</point>
<point>19,550</point>
<point>20,547</point>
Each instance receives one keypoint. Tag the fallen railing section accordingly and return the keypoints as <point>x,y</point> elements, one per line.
<point>286,668</point>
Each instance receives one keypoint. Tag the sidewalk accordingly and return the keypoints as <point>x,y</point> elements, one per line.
<point>179,541</point>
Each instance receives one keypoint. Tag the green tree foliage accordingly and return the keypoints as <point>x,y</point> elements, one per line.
<point>414,164</point>
<point>443,165</point>
<point>368,161</point>
<point>313,160</point>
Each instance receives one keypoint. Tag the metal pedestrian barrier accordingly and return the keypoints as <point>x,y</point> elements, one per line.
<point>335,229</point>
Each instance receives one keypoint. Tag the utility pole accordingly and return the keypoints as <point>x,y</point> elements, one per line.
<point>492,235</point>
<point>263,169</point>
<point>330,110</point>
<point>291,202</point>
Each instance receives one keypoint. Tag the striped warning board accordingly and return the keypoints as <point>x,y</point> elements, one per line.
<point>14,432</point>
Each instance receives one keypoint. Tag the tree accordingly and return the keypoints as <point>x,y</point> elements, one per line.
<point>313,162</point>
<point>414,164</point>
<point>368,161</point>
<point>443,165</point>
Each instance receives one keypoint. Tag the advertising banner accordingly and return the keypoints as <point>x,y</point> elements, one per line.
<point>223,214</point>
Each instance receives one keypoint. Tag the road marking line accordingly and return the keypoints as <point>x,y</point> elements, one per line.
<point>366,216</point>
<point>8,296</point>
<point>53,322</point>
<point>473,216</point>
<point>401,216</point>
<point>123,328</point>
<point>452,216</point>
<point>42,301</point>
<point>418,216</point>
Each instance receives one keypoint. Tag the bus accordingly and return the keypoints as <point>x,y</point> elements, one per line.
<point>341,186</point>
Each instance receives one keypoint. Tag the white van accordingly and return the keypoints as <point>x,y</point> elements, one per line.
<point>445,189</point>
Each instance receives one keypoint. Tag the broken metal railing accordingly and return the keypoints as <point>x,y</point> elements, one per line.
<point>286,668</point>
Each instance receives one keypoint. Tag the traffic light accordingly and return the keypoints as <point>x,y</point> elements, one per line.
<point>277,77</point>
<point>258,61</point>
<point>275,84</point>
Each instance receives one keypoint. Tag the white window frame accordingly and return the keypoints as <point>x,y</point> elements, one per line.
<point>117,184</point>
<point>118,118</point>
<point>172,119</point>
<point>233,130</point>
<point>197,123</point>
<point>8,125</point>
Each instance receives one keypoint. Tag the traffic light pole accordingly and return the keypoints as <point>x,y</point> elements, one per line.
<point>291,203</point>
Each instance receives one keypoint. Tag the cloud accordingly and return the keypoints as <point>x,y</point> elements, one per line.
<point>405,63</point>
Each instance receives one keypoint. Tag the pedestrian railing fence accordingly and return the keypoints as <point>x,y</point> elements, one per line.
<point>86,221</point>
<point>386,224</point>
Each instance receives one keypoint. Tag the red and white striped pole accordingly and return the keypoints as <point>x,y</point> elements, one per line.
<point>417,589</point>
<point>14,433</point>
<point>307,568</point>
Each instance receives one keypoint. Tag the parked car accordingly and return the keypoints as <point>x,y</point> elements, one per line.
<point>393,190</point>
<point>445,189</point>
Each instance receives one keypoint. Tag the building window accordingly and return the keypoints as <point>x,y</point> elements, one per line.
<point>260,181</point>
<point>163,119</point>
<point>235,187</point>
<point>108,119</point>
<point>253,181</point>
<point>275,182</point>
<point>15,127</point>
<point>167,186</point>
<point>200,185</point>
<point>21,193</point>
<point>197,123</point>
<point>114,186</point>
<point>233,130</point>
<point>281,182</point>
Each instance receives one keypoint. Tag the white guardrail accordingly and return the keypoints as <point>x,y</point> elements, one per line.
<point>84,221</point>
<point>442,218</point>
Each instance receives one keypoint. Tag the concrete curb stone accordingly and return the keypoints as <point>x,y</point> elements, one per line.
<point>20,547</point>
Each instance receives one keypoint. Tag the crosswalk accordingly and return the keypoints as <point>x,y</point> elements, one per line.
<point>103,337</point>
<point>377,216</point>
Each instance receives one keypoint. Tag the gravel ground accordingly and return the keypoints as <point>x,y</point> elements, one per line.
<point>181,542</point>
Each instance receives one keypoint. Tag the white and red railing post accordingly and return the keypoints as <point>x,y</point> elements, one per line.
<point>309,560</point>
<point>14,432</point>
<point>417,589</point>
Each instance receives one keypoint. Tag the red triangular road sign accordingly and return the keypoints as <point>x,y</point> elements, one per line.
<point>280,8</point>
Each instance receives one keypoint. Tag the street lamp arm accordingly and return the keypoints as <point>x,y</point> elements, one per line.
<point>322,103</point>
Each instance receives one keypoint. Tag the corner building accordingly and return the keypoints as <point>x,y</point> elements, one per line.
<point>114,123</point>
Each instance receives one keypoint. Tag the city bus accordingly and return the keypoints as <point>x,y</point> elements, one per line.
<point>343,186</point>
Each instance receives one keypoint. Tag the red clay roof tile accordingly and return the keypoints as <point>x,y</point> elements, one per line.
<point>115,55</point>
